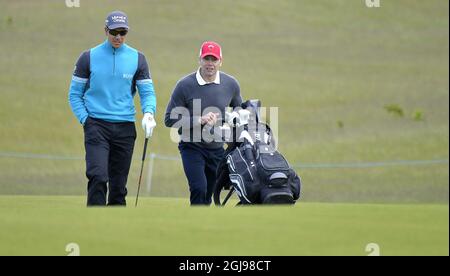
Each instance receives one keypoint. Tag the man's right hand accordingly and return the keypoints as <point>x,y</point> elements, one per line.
<point>210,119</point>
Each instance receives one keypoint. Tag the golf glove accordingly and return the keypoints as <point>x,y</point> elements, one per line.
<point>148,124</point>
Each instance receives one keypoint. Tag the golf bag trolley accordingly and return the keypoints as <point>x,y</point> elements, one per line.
<point>252,167</point>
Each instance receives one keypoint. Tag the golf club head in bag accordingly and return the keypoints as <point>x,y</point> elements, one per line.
<point>254,106</point>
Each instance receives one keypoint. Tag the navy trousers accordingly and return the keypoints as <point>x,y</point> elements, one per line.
<point>109,149</point>
<point>200,166</point>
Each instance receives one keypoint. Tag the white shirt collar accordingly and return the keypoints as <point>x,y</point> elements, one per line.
<point>201,81</point>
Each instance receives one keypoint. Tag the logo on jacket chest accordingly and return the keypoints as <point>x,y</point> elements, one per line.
<point>127,76</point>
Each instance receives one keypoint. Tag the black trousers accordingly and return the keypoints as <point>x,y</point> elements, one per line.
<point>109,150</point>
<point>200,166</point>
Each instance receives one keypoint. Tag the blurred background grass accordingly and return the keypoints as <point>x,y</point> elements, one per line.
<point>330,66</point>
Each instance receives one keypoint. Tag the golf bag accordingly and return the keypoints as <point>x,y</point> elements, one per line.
<point>254,169</point>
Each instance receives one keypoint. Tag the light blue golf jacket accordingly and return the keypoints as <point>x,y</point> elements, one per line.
<point>104,83</point>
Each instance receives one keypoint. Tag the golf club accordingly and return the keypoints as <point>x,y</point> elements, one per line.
<point>142,168</point>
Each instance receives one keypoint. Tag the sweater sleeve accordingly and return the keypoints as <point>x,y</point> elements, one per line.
<point>177,112</point>
<point>237,99</point>
<point>145,87</point>
<point>78,85</point>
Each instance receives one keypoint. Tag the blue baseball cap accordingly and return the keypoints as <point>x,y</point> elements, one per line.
<point>116,19</point>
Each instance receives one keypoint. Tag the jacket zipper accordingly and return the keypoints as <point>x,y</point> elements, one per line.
<point>114,61</point>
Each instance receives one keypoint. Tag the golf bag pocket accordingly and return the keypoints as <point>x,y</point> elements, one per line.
<point>277,195</point>
<point>273,169</point>
<point>281,190</point>
<point>278,179</point>
<point>279,182</point>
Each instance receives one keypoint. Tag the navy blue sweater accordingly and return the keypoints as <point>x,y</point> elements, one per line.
<point>211,97</point>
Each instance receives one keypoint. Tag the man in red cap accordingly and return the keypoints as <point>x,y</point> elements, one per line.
<point>198,102</point>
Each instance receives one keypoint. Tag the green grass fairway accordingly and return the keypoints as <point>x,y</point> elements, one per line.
<point>33,225</point>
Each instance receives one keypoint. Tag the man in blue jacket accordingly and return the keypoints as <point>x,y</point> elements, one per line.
<point>103,85</point>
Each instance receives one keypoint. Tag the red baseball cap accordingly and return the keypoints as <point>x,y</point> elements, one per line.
<point>211,48</point>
